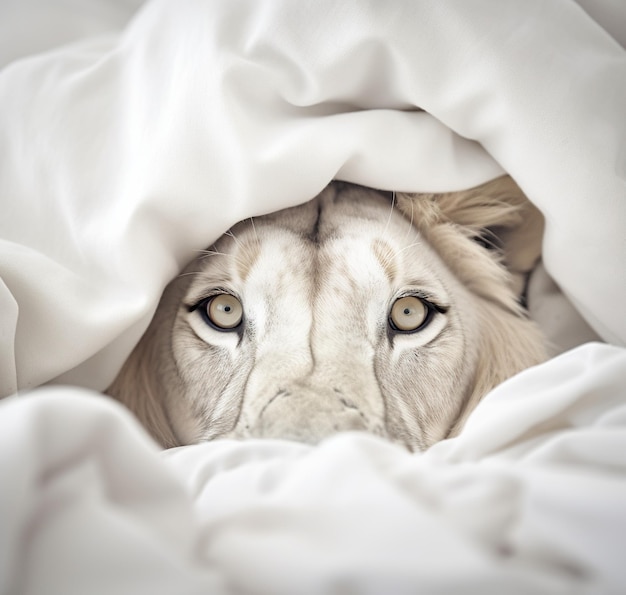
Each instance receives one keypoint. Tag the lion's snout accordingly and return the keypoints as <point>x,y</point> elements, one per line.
<point>307,414</point>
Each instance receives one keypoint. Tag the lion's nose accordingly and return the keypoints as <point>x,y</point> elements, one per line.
<point>308,414</point>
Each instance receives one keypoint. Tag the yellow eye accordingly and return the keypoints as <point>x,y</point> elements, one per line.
<point>224,311</point>
<point>408,313</point>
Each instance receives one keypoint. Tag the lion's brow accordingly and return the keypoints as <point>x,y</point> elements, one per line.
<point>386,257</point>
<point>245,258</point>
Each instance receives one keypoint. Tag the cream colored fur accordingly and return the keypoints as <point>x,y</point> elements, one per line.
<point>317,350</point>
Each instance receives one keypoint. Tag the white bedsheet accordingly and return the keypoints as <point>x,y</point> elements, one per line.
<point>125,152</point>
<point>530,498</point>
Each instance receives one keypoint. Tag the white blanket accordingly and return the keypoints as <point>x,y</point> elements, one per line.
<point>126,151</point>
<point>123,155</point>
<point>530,498</point>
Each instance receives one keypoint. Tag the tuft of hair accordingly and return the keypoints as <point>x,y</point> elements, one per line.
<point>452,222</point>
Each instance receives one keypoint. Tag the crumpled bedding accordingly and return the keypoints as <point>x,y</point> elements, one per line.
<point>129,145</point>
<point>124,154</point>
<point>530,498</point>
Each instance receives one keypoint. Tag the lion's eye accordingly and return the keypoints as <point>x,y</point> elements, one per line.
<point>224,311</point>
<point>409,313</point>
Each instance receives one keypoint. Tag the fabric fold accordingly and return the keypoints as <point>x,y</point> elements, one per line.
<point>128,154</point>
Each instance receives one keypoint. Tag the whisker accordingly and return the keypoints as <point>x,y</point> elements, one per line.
<point>230,234</point>
<point>181,275</point>
<point>393,204</point>
<point>401,250</point>
<point>213,253</point>
<point>256,235</point>
<point>206,253</point>
<point>410,230</point>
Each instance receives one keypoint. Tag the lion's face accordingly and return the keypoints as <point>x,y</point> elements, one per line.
<point>334,315</point>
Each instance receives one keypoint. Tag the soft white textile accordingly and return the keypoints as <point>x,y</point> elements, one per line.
<point>530,498</point>
<point>125,152</point>
<point>123,155</point>
<point>33,26</point>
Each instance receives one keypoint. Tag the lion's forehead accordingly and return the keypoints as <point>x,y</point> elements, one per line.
<point>340,275</point>
<point>359,239</point>
<point>350,263</point>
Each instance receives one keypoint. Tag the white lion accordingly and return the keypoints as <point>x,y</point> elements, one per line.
<point>359,310</point>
